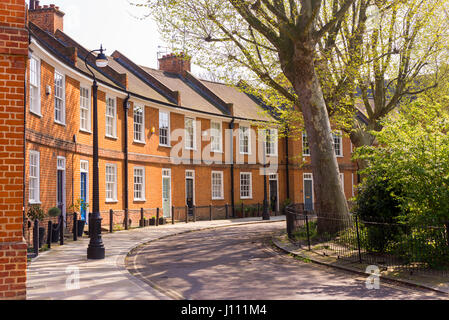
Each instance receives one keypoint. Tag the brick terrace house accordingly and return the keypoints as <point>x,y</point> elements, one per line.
<point>149,121</point>
<point>13,57</point>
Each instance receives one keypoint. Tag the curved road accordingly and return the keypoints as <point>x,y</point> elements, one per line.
<point>239,263</point>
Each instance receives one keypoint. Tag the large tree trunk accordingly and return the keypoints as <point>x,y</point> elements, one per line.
<point>360,137</point>
<point>332,207</point>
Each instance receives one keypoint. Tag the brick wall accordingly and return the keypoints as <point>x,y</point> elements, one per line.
<point>13,56</point>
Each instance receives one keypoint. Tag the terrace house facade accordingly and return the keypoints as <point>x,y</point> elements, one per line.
<point>166,138</point>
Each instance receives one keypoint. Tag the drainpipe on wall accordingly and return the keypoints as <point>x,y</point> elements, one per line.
<point>287,164</point>
<point>24,147</point>
<point>231,126</point>
<point>125,151</point>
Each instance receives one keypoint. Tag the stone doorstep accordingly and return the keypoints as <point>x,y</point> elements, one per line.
<point>423,282</point>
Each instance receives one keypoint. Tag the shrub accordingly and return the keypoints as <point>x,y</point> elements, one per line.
<point>54,212</point>
<point>35,212</point>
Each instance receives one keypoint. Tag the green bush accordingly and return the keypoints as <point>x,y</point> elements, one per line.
<point>376,206</point>
<point>54,212</point>
<point>35,212</point>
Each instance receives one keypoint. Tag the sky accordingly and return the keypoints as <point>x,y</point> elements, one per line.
<point>115,25</point>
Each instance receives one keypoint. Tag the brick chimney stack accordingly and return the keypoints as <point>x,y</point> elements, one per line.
<point>48,18</point>
<point>175,63</point>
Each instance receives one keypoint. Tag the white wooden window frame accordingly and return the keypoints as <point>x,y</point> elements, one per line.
<point>165,136</point>
<point>110,183</point>
<point>189,138</point>
<point>221,195</point>
<point>305,145</point>
<point>139,128</point>
<point>59,96</point>
<point>242,134</point>
<point>338,136</point>
<point>216,136</point>
<point>250,186</point>
<point>142,183</point>
<point>34,187</point>
<point>85,107</point>
<point>35,86</point>
<point>111,117</point>
<point>272,144</point>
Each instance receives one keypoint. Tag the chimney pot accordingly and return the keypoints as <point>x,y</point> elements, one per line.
<point>173,63</point>
<point>48,20</point>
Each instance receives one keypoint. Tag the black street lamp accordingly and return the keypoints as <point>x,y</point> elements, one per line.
<point>95,250</point>
<point>265,212</point>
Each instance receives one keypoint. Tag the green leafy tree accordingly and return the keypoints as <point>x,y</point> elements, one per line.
<point>413,157</point>
<point>273,46</point>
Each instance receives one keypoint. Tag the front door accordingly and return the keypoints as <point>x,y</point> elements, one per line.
<point>273,193</point>
<point>189,191</point>
<point>60,186</point>
<point>84,188</point>
<point>166,192</point>
<point>308,192</point>
<point>83,195</point>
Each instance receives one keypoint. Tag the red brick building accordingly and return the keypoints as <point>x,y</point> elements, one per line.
<point>171,119</point>
<point>167,139</point>
<point>13,60</point>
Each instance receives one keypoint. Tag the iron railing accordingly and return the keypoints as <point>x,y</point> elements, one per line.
<point>371,240</point>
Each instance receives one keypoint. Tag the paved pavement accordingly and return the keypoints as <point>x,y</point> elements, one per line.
<point>52,274</point>
<point>240,263</point>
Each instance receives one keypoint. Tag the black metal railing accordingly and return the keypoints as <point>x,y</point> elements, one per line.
<point>371,240</point>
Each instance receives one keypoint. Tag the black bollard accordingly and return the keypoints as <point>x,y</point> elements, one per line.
<point>61,230</point>
<point>36,237</point>
<point>173,215</point>
<point>49,234</point>
<point>111,221</point>
<point>75,226</point>
<point>142,224</point>
<point>157,217</point>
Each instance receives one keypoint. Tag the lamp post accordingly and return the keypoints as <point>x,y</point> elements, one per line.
<point>265,212</point>
<point>95,250</point>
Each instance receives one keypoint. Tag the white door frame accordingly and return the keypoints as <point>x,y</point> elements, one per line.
<point>87,186</point>
<point>304,189</point>
<point>64,200</point>
<point>277,187</point>
<point>193,191</point>
<point>162,193</point>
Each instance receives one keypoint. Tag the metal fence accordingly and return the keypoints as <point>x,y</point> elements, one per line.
<point>371,240</point>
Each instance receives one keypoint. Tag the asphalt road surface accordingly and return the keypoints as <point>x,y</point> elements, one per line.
<point>240,263</point>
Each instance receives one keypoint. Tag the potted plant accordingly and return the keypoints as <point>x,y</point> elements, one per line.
<point>153,221</point>
<point>54,212</point>
<point>162,220</point>
<point>78,206</point>
<point>36,213</point>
